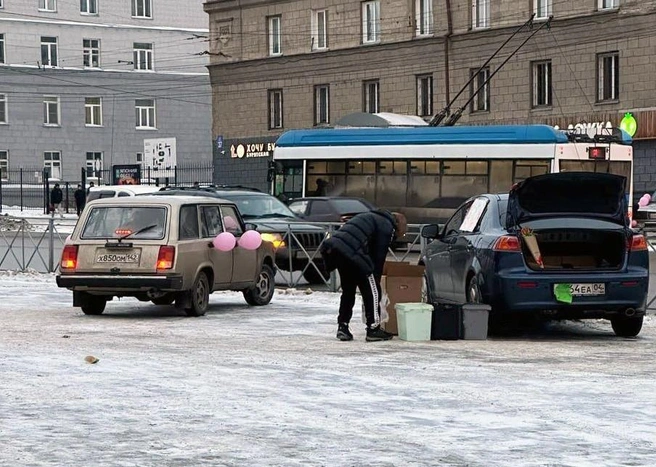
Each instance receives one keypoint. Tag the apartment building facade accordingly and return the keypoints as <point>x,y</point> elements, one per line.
<point>85,83</point>
<point>278,65</point>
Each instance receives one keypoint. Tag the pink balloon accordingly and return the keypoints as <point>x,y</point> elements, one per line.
<point>225,241</point>
<point>230,223</point>
<point>250,240</point>
<point>647,197</point>
<point>643,202</point>
<point>634,223</point>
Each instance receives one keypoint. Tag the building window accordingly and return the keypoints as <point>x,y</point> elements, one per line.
<point>370,22</point>
<point>2,48</point>
<point>371,96</point>
<point>94,164</point>
<point>275,109</point>
<point>47,5</point>
<point>143,56</point>
<point>542,8</point>
<point>93,111</point>
<point>3,108</point>
<point>608,4</point>
<point>145,113</point>
<point>541,80</point>
<point>52,162</point>
<point>481,101</point>
<point>49,51</point>
<point>424,17</point>
<point>89,7</point>
<point>142,8</point>
<point>4,165</point>
<point>425,95</point>
<point>481,14</point>
<point>319,29</point>
<point>608,82</point>
<point>91,53</point>
<point>321,104</point>
<point>275,35</point>
<point>140,158</point>
<point>51,111</point>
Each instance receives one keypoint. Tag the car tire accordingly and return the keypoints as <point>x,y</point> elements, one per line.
<point>199,296</point>
<point>167,299</point>
<point>94,305</point>
<point>262,292</point>
<point>626,326</point>
<point>312,276</point>
<point>473,292</point>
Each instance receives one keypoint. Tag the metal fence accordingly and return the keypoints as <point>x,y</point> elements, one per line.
<point>28,189</point>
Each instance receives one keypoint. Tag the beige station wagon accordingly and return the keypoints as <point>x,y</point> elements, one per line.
<point>160,249</point>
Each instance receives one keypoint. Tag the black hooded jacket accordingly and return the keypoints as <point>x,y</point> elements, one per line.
<point>363,240</point>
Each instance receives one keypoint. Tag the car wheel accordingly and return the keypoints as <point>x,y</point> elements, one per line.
<point>200,296</point>
<point>167,299</point>
<point>625,326</point>
<point>94,305</point>
<point>262,292</point>
<point>473,291</point>
<point>312,276</point>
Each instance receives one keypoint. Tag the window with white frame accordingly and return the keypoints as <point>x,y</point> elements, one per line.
<point>94,164</point>
<point>275,34</point>
<point>321,104</point>
<point>480,14</point>
<point>89,7</point>
<point>2,48</point>
<point>608,74</point>
<point>4,165</point>
<point>91,53</point>
<point>51,111</point>
<point>481,86</point>
<point>424,17</point>
<point>52,161</point>
<point>542,8</point>
<point>541,79</point>
<point>48,5</point>
<point>319,29</point>
<point>3,108</point>
<point>48,51</point>
<point>2,5</point>
<point>370,22</point>
<point>275,109</point>
<point>145,109</point>
<point>608,4</point>
<point>142,8</point>
<point>93,111</point>
<point>425,95</point>
<point>143,56</point>
<point>370,96</point>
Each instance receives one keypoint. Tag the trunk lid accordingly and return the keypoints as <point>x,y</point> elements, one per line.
<point>585,195</point>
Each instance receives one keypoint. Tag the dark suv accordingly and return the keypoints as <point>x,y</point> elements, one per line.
<point>294,240</point>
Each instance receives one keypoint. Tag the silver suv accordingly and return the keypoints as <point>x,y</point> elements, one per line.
<point>160,249</point>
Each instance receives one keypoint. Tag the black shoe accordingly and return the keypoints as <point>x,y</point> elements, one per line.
<point>343,333</point>
<point>377,334</point>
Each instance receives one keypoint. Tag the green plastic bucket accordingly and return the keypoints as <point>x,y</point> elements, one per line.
<point>414,321</point>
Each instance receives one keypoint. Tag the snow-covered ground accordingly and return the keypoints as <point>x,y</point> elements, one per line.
<point>267,386</point>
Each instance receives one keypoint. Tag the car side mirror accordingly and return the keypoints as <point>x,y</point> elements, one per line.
<point>431,231</point>
<point>250,226</point>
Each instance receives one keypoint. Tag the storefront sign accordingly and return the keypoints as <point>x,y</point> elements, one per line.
<point>126,174</point>
<point>248,150</point>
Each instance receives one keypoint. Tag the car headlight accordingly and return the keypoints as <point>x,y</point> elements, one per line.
<point>274,238</point>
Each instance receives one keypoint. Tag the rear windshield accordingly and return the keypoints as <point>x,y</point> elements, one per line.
<point>133,221</point>
<point>350,206</point>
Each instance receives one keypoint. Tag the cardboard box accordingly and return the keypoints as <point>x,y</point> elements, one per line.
<point>402,283</point>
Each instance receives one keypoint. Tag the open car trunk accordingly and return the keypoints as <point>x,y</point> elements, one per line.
<point>577,249</point>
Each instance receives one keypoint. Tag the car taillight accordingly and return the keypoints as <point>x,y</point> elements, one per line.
<point>507,243</point>
<point>165,257</point>
<point>69,257</point>
<point>638,243</point>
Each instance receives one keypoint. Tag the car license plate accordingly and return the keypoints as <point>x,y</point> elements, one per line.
<point>118,258</point>
<point>579,290</point>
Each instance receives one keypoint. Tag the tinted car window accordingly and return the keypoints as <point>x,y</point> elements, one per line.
<point>348,206</point>
<point>101,194</point>
<point>231,220</point>
<point>298,207</point>
<point>320,207</point>
<point>123,194</point>
<point>112,222</point>
<point>188,222</point>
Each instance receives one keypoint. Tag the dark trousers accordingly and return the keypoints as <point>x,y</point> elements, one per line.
<point>369,288</point>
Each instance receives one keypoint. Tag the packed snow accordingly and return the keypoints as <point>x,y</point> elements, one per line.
<point>265,386</point>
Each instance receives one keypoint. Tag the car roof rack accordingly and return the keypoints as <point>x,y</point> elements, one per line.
<point>210,188</point>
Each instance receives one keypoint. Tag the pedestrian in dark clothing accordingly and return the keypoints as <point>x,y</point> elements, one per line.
<point>358,251</point>
<point>91,185</point>
<point>56,198</point>
<point>80,199</point>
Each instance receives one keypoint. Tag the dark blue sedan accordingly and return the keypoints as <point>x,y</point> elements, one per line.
<point>583,260</point>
